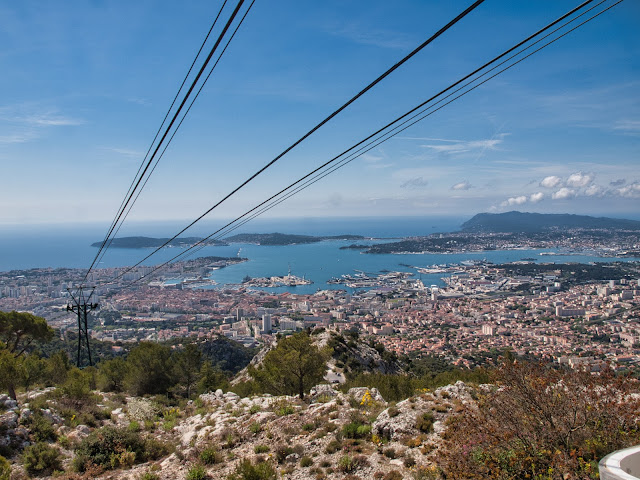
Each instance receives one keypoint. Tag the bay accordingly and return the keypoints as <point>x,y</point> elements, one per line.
<point>33,247</point>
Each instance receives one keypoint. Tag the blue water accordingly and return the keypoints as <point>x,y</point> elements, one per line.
<point>22,248</point>
<point>322,261</point>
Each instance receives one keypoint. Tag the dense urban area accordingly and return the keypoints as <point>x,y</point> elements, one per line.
<point>583,315</point>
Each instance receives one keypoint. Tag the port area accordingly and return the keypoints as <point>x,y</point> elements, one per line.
<point>369,280</point>
<point>271,282</point>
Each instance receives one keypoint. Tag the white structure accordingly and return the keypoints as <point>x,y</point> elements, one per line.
<point>266,323</point>
<point>621,465</point>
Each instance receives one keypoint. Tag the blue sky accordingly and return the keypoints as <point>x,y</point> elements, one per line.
<point>86,84</point>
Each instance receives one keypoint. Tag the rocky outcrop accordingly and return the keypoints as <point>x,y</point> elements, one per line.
<point>407,418</point>
<point>300,439</point>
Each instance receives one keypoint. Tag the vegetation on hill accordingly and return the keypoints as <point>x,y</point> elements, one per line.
<point>540,422</point>
<point>539,222</point>
<point>285,238</point>
<point>292,367</point>
<point>520,420</point>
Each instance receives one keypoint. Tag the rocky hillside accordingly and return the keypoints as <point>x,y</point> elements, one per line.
<point>349,355</point>
<point>534,419</point>
<point>330,435</point>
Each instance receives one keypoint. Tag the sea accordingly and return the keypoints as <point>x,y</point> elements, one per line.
<point>26,247</point>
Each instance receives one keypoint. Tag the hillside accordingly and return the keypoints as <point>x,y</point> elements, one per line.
<point>350,356</point>
<point>285,238</point>
<point>522,222</point>
<point>333,434</point>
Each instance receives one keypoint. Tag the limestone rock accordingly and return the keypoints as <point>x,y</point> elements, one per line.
<point>323,391</point>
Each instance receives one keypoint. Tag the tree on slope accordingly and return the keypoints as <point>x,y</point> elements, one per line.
<point>187,364</point>
<point>18,330</point>
<point>293,367</point>
<point>149,369</point>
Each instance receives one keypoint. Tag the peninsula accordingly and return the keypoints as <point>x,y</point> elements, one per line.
<point>150,242</point>
<point>486,231</point>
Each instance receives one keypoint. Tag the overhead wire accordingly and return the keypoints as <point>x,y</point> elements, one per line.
<point>183,118</point>
<point>408,123</point>
<point>109,237</point>
<point>381,77</point>
<point>168,128</point>
<point>390,133</point>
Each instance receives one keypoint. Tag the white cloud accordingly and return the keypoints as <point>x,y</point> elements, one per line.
<point>444,146</point>
<point>510,202</point>
<point>125,152</point>
<point>536,197</point>
<point>618,183</point>
<point>632,190</point>
<point>563,194</point>
<point>628,126</point>
<point>580,180</point>
<point>20,137</point>
<point>551,181</point>
<point>369,36</point>
<point>369,158</point>
<point>462,186</point>
<point>415,183</point>
<point>51,120</point>
<point>455,148</point>
<point>594,190</point>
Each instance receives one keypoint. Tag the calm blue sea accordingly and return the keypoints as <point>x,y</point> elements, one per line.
<point>55,246</point>
<point>23,247</point>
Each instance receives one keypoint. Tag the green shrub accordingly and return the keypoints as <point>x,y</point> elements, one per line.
<point>210,456</point>
<point>197,472</point>
<point>41,428</point>
<point>282,451</point>
<point>247,471</point>
<point>308,427</point>
<point>64,441</point>
<point>285,410</point>
<point>333,446</point>
<point>78,384</point>
<point>261,449</point>
<point>134,426</point>
<point>347,463</point>
<point>356,430</point>
<point>254,409</point>
<point>393,412</point>
<point>111,447</point>
<point>390,452</point>
<point>424,422</point>
<point>409,462</point>
<point>306,461</point>
<point>5,468</point>
<point>255,428</point>
<point>149,476</point>
<point>41,458</point>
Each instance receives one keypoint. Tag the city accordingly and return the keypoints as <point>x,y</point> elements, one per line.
<point>483,310</point>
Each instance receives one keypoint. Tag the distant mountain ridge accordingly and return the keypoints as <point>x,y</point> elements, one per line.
<point>539,222</point>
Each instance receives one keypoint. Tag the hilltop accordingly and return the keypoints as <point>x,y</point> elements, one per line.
<point>523,222</point>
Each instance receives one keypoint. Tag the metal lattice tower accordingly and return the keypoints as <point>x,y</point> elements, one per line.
<point>82,307</point>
